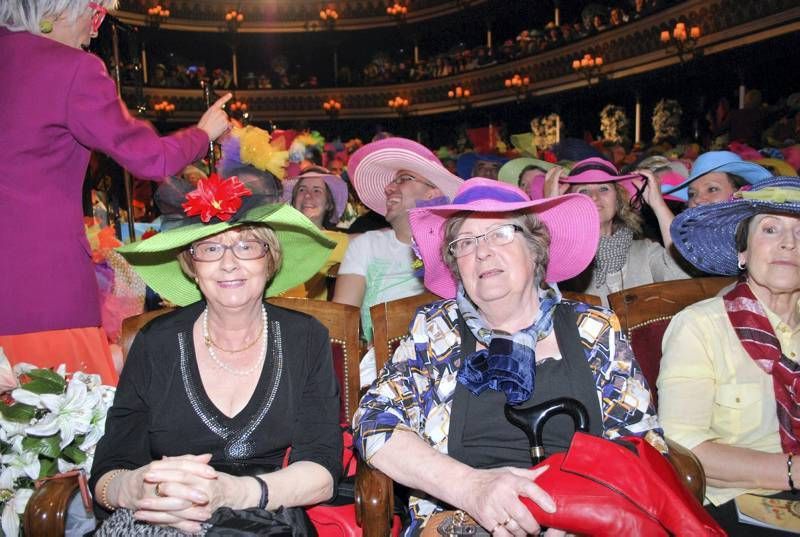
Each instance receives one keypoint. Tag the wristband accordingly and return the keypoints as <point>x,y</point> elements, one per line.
<point>262,503</point>
<point>789,473</point>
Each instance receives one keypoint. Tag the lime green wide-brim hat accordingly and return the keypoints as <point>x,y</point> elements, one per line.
<point>305,249</point>
<point>511,170</point>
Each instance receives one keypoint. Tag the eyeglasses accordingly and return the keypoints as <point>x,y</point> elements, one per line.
<point>405,178</point>
<point>497,236</point>
<point>98,14</point>
<point>214,251</point>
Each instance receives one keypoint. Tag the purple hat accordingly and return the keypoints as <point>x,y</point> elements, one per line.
<point>597,170</point>
<point>335,183</point>
<point>374,166</point>
<point>572,221</point>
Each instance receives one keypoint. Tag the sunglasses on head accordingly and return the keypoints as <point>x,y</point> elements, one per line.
<point>98,14</point>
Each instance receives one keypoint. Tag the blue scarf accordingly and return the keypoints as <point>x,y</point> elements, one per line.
<point>508,363</point>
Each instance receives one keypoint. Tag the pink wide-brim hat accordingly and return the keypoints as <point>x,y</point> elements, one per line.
<point>571,219</point>
<point>375,165</point>
<point>335,183</point>
<point>596,170</point>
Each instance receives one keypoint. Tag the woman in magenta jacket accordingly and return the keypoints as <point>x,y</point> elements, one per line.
<point>58,104</point>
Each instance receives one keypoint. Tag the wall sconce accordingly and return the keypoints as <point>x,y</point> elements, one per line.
<point>590,67</point>
<point>238,110</point>
<point>519,84</point>
<point>399,105</point>
<point>684,43</point>
<point>398,11</point>
<point>234,20</point>
<point>329,16</point>
<point>461,96</point>
<point>332,107</point>
<point>156,15</point>
<point>164,109</point>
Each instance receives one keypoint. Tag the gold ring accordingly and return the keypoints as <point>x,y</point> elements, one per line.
<point>158,490</point>
<point>496,526</point>
<point>508,519</point>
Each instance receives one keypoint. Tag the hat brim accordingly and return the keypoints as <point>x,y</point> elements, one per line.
<point>587,178</point>
<point>377,168</point>
<point>304,250</point>
<point>511,170</point>
<point>572,221</point>
<point>749,171</point>
<point>705,235</point>
<point>336,184</point>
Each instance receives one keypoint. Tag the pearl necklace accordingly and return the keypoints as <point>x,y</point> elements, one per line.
<point>212,353</point>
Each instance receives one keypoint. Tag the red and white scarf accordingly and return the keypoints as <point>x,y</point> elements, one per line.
<point>756,335</point>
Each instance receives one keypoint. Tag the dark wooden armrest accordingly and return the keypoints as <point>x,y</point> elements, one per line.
<point>374,499</point>
<point>689,469</point>
<point>46,513</point>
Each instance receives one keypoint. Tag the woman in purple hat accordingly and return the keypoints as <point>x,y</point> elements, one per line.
<point>434,419</point>
<point>624,258</point>
<point>322,197</point>
<point>729,378</point>
<point>59,104</point>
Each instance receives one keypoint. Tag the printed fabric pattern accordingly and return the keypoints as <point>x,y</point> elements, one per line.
<point>414,391</point>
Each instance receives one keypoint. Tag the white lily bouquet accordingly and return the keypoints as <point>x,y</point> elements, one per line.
<point>50,423</point>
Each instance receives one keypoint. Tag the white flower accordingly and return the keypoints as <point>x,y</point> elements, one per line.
<point>10,429</point>
<point>18,462</point>
<point>21,395</point>
<point>70,413</point>
<point>13,509</point>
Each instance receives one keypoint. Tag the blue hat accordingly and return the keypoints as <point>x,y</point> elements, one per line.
<point>706,235</point>
<point>466,162</point>
<point>718,161</point>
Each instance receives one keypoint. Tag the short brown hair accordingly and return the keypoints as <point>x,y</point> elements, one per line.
<point>537,238</point>
<point>260,233</point>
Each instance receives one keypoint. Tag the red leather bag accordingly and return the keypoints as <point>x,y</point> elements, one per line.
<point>624,487</point>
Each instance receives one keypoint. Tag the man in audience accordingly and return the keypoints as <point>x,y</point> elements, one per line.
<point>390,176</point>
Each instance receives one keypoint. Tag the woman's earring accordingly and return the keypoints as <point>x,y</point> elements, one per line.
<point>741,264</point>
<point>45,26</point>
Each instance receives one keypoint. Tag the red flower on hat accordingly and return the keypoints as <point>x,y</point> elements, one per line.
<point>215,197</point>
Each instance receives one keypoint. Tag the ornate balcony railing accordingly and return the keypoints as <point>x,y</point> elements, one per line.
<point>632,49</point>
<point>274,16</point>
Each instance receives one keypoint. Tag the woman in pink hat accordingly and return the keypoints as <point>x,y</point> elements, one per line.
<point>624,259</point>
<point>434,419</point>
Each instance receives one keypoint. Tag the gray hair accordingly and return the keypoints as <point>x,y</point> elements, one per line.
<point>535,232</point>
<point>19,15</point>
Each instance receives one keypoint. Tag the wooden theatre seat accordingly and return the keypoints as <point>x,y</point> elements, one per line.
<point>645,312</point>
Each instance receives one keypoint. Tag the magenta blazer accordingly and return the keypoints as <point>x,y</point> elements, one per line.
<point>58,103</point>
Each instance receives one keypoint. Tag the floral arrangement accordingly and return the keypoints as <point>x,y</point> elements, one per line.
<point>546,130</point>
<point>215,197</point>
<point>50,423</point>
<point>614,124</point>
<point>667,121</point>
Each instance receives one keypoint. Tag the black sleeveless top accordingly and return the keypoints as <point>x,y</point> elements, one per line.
<point>481,436</point>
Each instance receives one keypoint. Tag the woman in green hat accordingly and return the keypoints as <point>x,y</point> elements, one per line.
<point>214,394</point>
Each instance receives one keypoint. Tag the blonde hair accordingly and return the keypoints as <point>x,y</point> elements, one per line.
<point>18,15</point>
<point>625,215</point>
<point>250,232</point>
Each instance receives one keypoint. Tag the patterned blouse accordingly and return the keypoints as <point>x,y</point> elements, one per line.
<point>414,391</point>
